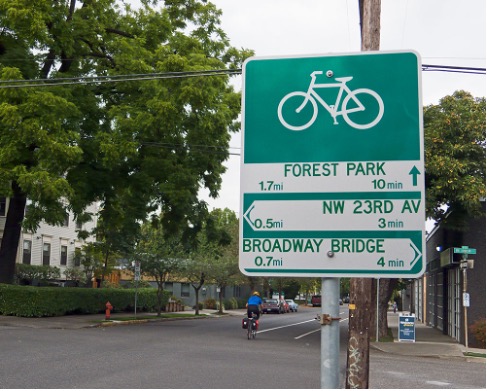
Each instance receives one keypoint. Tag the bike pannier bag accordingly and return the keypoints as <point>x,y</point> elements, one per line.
<point>245,322</point>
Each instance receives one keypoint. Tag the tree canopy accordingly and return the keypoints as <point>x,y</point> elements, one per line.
<point>135,145</point>
<point>455,157</point>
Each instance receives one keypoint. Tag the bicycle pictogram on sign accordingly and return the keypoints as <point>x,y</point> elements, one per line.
<point>351,104</point>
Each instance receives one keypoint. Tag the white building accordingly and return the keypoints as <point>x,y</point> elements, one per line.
<point>51,245</point>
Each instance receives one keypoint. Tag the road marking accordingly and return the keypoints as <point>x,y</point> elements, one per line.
<point>282,327</point>
<point>438,383</point>
<point>304,335</point>
<point>295,324</point>
<point>314,331</point>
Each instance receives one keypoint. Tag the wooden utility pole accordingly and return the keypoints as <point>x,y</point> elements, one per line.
<point>361,288</point>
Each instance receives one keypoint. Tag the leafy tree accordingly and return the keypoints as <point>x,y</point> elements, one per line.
<point>197,268</point>
<point>285,286</point>
<point>291,288</point>
<point>160,257</point>
<point>455,171</point>
<point>91,258</point>
<point>224,272</point>
<point>74,274</point>
<point>455,158</point>
<point>344,286</point>
<point>310,286</point>
<point>38,144</point>
<point>223,269</point>
<point>136,145</point>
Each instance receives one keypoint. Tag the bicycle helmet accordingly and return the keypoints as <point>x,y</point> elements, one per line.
<point>256,293</point>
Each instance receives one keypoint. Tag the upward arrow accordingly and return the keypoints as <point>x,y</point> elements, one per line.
<point>414,172</point>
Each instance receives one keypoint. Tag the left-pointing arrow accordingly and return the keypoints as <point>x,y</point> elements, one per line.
<point>247,215</point>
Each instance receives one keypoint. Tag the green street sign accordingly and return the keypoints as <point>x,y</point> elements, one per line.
<point>464,250</point>
<point>332,167</point>
<point>356,107</point>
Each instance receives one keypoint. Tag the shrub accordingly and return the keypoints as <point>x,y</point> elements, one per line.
<point>230,304</point>
<point>210,304</point>
<point>140,284</point>
<point>29,273</point>
<point>109,284</point>
<point>29,301</point>
<point>478,330</point>
<point>75,274</point>
<point>241,303</point>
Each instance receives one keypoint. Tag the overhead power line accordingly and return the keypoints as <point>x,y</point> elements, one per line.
<point>455,69</point>
<point>177,75</point>
<point>114,79</point>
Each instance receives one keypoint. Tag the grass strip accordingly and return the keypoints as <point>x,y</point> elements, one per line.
<point>473,354</point>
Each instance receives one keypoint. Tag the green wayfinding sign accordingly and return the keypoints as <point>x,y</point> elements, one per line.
<point>332,169</point>
<point>296,112</point>
<point>465,250</point>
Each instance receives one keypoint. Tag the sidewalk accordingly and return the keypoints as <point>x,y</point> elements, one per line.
<point>75,322</point>
<point>430,342</point>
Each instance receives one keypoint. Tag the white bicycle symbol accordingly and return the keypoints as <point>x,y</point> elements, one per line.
<point>312,96</point>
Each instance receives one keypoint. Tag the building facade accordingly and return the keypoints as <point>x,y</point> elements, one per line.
<point>51,245</point>
<point>437,298</point>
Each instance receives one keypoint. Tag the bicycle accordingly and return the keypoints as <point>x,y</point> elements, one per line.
<point>313,97</point>
<point>252,326</point>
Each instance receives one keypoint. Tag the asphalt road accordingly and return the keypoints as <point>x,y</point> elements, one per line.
<point>204,353</point>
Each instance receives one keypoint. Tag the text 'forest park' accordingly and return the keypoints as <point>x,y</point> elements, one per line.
<point>331,169</point>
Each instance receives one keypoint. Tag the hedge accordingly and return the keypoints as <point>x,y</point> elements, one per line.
<point>30,301</point>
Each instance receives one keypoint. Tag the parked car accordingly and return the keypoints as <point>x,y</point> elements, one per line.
<point>271,305</point>
<point>316,300</point>
<point>293,306</point>
<point>346,299</point>
<point>284,305</point>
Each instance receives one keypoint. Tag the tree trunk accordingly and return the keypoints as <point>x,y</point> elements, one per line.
<point>197,297</point>
<point>220,297</point>
<point>159,297</point>
<point>11,234</point>
<point>105,266</point>
<point>197,293</point>
<point>358,333</point>
<point>361,288</point>
<point>387,286</point>
<point>373,309</point>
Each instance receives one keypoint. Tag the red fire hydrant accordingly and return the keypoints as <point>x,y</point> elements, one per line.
<point>108,308</point>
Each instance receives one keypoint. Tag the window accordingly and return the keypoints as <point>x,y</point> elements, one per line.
<point>184,290</point>
<point>46,253</point>
<point>79,225</point>
<point>64,255</point>
<point>27,252</point>
<point>3,206</point>
<point>66,220</point>
<point>77,256</point>
<point>236,291</point>
<point>168,287</point>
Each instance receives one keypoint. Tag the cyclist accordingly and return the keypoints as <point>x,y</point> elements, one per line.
<point>254,305</point>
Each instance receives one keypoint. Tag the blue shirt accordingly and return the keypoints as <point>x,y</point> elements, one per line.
<point>254,300</point>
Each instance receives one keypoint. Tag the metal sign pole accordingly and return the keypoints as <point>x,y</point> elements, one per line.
<point>377,313</point>
<point>137,279</point>
<point>330,333</point>
<point>465,321</point>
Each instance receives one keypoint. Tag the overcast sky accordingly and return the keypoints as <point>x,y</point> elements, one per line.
<point>443,32</point>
